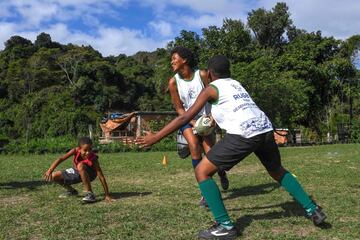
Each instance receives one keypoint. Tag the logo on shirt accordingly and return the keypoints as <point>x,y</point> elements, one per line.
<point>256,124</point>
<point>244,96</point>
<point>237,87</point>
<point>192,94</point>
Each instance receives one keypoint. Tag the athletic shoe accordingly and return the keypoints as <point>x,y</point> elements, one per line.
<point>224,180</point>
<point>89,197</point>
<point>318,216</point>
<point>203,203</point>
<point>218,232</point>
<point>69,193</point>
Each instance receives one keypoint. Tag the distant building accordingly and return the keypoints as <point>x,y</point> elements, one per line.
<point>126,127</point>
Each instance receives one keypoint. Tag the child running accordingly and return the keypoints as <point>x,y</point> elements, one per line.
<point>248,130</point>
<point>85,169</point>
<point>184,88</point>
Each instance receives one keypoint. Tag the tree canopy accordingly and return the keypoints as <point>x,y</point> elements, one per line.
<point>299,78</point>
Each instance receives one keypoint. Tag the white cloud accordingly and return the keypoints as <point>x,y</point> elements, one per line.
<point>116,41</point>
<point>51,16</point>
<point>109,41</point>
<point>337,18</point>
<point>205,12</point>
<point>162,27</point>
<point>334,18</point>
<point>340,19</point>
<point>35,12</point>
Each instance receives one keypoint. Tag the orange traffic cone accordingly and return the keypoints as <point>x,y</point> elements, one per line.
<point>165,160</point>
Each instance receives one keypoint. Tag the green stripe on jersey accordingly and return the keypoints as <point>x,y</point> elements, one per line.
<point>215,102</point>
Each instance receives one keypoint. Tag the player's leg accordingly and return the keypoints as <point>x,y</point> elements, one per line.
<point>195,151</point>
<point>269,155</point>
<point>193,143</point>
<point>85,178</point>
<point>59,178</point>
<point>223,156</point>
<point>224,227</point>
<point>207,143</point>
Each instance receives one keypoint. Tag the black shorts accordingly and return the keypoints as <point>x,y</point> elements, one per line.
<point>72,176</point>
<point>230,150</point>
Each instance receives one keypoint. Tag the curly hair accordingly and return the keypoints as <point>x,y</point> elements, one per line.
<point>187,54</point>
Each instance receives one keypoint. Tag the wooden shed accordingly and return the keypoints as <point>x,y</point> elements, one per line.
<point>126,127</point>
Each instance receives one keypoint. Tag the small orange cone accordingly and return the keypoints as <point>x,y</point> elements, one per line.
<point>165,160</point>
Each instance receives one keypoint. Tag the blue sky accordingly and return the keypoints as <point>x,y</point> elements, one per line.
<point>128,26</point>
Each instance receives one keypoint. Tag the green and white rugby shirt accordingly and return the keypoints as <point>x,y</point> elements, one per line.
<point>236,112</point>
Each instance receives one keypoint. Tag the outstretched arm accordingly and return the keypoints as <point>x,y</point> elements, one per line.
<point>102,180</point>
<point>48,173</point>
<point>206,95</point>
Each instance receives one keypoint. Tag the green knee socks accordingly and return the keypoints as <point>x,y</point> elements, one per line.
<point>212,195</point>
<point>291,184</point>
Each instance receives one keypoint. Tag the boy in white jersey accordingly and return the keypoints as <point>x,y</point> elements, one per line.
<point>184,88</point>
<point>248,130</point>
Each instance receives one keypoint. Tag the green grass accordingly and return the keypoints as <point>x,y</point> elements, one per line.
<point>157,202</point>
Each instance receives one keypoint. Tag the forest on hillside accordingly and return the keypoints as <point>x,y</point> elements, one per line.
<point>300,79</point>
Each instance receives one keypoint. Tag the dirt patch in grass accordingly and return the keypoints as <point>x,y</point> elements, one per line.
<point>15,200</point>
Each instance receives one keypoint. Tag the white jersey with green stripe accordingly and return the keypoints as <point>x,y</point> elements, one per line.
<point>236,112</point>
<point>189,90</point>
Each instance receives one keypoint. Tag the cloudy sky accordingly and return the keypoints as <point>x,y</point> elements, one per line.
<point>127,26</point>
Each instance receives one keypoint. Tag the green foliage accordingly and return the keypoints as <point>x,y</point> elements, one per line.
<point>40,146</point>
<point>299,79</point>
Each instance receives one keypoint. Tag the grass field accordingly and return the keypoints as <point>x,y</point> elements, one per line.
<point>157,202</point>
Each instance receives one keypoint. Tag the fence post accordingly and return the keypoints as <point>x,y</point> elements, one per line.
<point>90,131</point>
<point>138,127</point>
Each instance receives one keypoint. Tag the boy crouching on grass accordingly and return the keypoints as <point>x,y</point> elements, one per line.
<point>85,169</point>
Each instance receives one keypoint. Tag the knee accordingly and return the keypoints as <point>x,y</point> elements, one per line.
<point>201,174</point>
<point>81,167</point>
<point>57,177</point>
<point>194,146</point>
<point>54,176</point>
<point>277,175</point>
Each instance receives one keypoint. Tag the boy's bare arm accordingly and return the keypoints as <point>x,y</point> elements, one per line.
<point>102,180</point>
<point>48,173</point>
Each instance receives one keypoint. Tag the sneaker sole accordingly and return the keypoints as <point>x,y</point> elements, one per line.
<point>88,201</point>
<point>222,238</point>
<point>320,222</point>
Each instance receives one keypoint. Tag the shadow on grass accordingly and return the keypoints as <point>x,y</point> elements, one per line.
<point>30,185</point>
<point>119,195</point>
<point>289,209</point>
<point>252,190</point>
<point>116,196</point>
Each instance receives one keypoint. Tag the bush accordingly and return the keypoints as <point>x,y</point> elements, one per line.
<point>41,145</point>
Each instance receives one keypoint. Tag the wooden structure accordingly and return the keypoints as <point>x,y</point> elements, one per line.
<point>131,125</point>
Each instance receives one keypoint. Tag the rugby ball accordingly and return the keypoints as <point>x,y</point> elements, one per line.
<point>204,126</point>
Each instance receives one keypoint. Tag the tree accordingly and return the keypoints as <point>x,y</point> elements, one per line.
<point>270,26</point>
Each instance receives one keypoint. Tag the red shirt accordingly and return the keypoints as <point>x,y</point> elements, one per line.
<point>88,160</point>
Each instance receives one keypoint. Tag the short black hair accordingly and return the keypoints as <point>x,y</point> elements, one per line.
<point>185,53</point>
<point>220,66</point>
<point>84,140</point>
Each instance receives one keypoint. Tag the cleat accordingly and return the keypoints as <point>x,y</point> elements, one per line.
<point>218,232</point>
<point>224,180</point>
<point>318,216</point>
<point>69,193</point>
<point>89,197</point>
